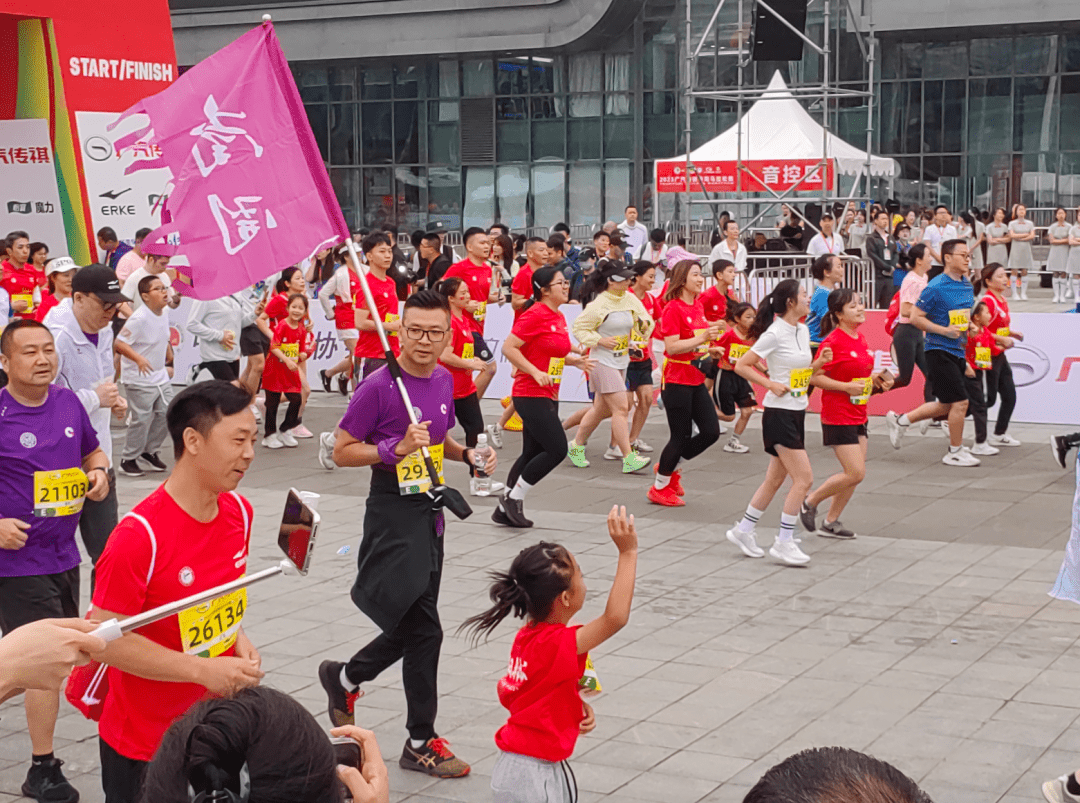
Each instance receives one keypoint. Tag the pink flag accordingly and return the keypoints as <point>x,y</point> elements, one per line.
<point>251,194</point>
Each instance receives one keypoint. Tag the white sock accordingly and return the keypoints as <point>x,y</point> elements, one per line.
<point>520,489</point>
<point>417,743</point>
<point>1024,282</point>
<point>904,421</point>
<point>750,519</point>
<point>787,528</point>
<point>661,482</point>
<point>1076,289</point>
<point>347,684</point>
<point>953,449</point>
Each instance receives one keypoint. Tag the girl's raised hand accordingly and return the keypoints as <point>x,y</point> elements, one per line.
<point>589,723</point>
<point>621,529</point>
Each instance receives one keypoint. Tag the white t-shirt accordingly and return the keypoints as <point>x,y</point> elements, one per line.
<point>820,245</point>
<point>148,335</point>
<point>131,286</point>
<point>787,349</point>
<point>722,251</point>
<point>616,324</point>
<point>934,235</point>
<point>5,308</point>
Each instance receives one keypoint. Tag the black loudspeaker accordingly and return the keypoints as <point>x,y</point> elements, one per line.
<point>771,40</point>
<point>812,214</point>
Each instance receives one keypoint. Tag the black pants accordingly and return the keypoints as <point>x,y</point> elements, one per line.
<point>543,442</point>
<point>686,405</point>
<point>977,404</point>
<point>468,414</point>
<point>416,642</point>
<point>227,370</point>
<point>96,523</point>
<point>121,777</point>
<point>909,350</point>
<point>884,290</point>
<point>999,379</point>
<point>292,414</point>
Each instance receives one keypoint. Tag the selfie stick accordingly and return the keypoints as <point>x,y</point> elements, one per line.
<point>450,498</point>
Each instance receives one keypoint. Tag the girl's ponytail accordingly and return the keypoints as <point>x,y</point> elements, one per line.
<point>838,299</point>
<point>508,596</point>
<point>775,303</point>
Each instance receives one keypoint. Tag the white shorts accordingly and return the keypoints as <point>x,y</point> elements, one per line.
<point>347,334</point>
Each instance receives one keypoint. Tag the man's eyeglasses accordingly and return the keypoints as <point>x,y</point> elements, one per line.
<point>433,335</point>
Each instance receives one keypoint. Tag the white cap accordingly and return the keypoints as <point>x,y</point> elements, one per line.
<point>481,440</point>
<point>59,265</point>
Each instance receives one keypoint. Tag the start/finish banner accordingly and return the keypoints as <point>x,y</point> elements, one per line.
<point>1046,365</point>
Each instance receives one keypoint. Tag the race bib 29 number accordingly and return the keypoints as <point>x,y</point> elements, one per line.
<point>59,493</point>
<point>800,381</point>
<point>412,476</point>
<point>210,629</point>
<point>555,368</point>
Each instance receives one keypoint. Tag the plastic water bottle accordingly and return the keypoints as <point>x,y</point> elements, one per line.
<point>482,482</point>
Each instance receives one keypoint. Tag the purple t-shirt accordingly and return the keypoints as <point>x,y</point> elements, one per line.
<point>376,412</point>
<point>47,439</point>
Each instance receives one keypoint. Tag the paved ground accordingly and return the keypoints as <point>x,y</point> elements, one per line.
<point>929,642</point>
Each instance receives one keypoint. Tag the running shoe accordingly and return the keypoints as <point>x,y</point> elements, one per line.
<point>808,517</point>
<point>896,429</point>
<point>325,380</point>
<point>788,552</point>
<point>640,446</point>
<point>576,454</point>
<point>834,529</point>
<point>613,453</point>
<point>434,758</point>
<point>302,432</point>
<point>984,449</point>
<point>676,480</point>
<point>962,458</point>
<point>494,435</point>
<point>634,462</point>
<point>735,446</point>
<point>514,424</point>
<point>1059,448</point>
<point>45,782</point>
<point>154,461</point>
<point>131,468</point>
<point>342,703</point>
<point>665,496</point>
<point>343,384</point>
<point>747,542</point>
<point>273,442</point>
<point>1003,440</point>
<point>287,439</point>
<point>326,451</point>
<point>1057,791</point>
<point>511,513</point>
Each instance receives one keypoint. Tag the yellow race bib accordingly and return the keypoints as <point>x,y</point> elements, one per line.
<point>555,368</point>
<point>59,493</point>
<point>589,683</point>
<point>1003,331</point>
<point>703,349</point>
<point>28,298</point>
<point>290,350</point>
<point>868,387</point>
<point>961,318</point>
<point>800,382</point>
<point>412,476</point>
<point>392,317</point>
<point>982,357</point>
<point>468,351</point>
<point>481,312</point>
<point>622,344</point>
<point>210,629</point>
<point>735,351</point>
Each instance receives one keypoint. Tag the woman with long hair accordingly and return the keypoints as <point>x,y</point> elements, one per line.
<point>1021,259</point>
<point>639,382</point>
<point>686,401</point>
<point>974,232</point>
<point>785,343</point>
<point>999,379</point>
<point>997,239</point>
<point>1058,235</point>
<point>337,296</point>
<point>502,260</point>
<point>908,341</point>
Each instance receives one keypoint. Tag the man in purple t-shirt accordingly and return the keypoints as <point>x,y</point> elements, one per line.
<point>50,462</point>
<point>401,554</point>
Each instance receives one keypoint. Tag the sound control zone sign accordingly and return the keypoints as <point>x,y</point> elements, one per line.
<point>777,175</point>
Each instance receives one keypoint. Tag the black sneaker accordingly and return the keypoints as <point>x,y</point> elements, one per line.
<point>46,783</point>
<point>434,758</point>
<point>153,461</point>
<point>510,512</point>
<point>131,468</point>
<point>834,529</point>
<point>343,384</point>
<point>342,704</point>
<point>325,380</point>
<point>808,517</point>
<point>1059,446</point>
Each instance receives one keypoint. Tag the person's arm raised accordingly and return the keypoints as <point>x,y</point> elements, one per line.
<point>617,612</point>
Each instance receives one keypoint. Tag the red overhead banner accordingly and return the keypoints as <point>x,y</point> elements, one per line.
<point>758,175</point>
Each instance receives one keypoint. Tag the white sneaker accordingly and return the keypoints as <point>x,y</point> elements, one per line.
<point>326,451</point>
<point>896,431</point>
<point>640,446</point>
<point>746,542</point>
<point>924,426</point>
<point>1003,440</point>
<point>273,442</point>
<point>1056,791</point>
<point>613,453</point>
<point>962,458</point>
<point>287,439</point>
<point>983,449</point>
<point>494,435</point>
<point>788,552</point>
<point>735,446</point>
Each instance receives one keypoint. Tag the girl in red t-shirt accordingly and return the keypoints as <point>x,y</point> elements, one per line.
<point>979,366</point>
<point>639,381</point>
<point>999,379</point>
<point>846,381</point>
<point>546,674</point>
<point>731,390</point>
<point>289,284</point>
<point>289,350</point>
<point>686,400</point>
<point>538,347</point>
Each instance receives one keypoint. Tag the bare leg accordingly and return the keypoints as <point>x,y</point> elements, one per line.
<point>591,418</point>
<point>775,475</point>
<point>957,411</point>
<point>745,414</point>
<point>41,710</point>
<point>796,463</point>
<point>929,410</point>
<point>574,419</point>
<point>644,396</point>
<point>507,414</point>
<point>841,486</point>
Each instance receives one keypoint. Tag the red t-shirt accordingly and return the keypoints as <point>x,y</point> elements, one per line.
<point>277,377</point>
<point>461,332</point>
<point>852,359</point>
<point>386,302</point>
<point>1000,320</point>
<point>979,350</point>
<point>48,301</point>
<point>344,311</point>
<point>715,304</point>
<point>478,280</point>
<point>277,309</point>
<point>21,283</point>
<point>732,338</point>
<point>522,285</point>
<point>140,570</point>
<point>684,321</point>
<point>540,690</point>
<point>546,344</point>
<point>649,303</point>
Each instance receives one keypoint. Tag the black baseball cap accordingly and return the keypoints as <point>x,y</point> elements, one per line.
<point>101,281</point>
<point>435,227</point>
<point>618,272</point>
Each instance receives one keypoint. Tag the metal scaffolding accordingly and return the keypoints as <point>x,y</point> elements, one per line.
<point>825,90</point>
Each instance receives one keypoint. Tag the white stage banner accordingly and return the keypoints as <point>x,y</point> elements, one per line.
<point>31,201</point>
<point>1046,368</point>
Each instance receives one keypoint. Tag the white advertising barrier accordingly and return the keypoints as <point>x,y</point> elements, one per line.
<point>123,203</point>
<point>30,201</point>
<point>1046,368</point>
<point>329,350</point>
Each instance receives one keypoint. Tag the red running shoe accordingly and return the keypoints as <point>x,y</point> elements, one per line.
<point>667,497</point>
<point>676,481</point>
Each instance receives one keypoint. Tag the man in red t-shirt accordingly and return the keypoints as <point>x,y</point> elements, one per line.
<point>379,253</point>
<point>477,274</point>
<point>191,534</point>
<point>20,277</point>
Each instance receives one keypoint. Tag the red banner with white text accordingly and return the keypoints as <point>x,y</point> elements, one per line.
<point>777,175</point>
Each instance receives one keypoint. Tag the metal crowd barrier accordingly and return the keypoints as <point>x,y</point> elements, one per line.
<point>765,271</point>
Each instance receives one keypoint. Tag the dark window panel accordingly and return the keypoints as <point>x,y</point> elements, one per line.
<point>902,60</point>
<point>376,81</point>
<point>411,187</point>
<point>548,139</point>
<point>1070,53</point>
<point>547,107</point>
<point>543,73</point>
<point>1033,115</point>
<point>409,80</point>
<point>954,112</point>
<point>583,140</point>
<point>319,127</point>
<point>512,141</point>
<point>619,138</point>
<point>1070,112</point>
<point>477,80</point>
<point>512,76</point>
<point>346,184</point>
<point>377,133</point>
<point>444,196</point>
<point>991,56</point>
<point>945,60</point>
<point>511,109</point>
<point>1036,55</point>
<point>990,115</point>
<point>343,83</point>
<point>378,195</point>
<point>890,113</point>
<point>343,134</point>
<point>932,116</point>
<point>913,117</point>
<point>407,132</point>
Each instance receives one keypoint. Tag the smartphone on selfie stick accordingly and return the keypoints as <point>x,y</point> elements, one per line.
<point>296,537</point>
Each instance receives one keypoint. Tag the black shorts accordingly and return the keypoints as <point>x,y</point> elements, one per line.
<point>785,428</point>
<point>946,376</point>
<point>711,369</point>
<point>40,596</point>
<point>843,434</point>
<point>253,341</point>
<point>225,370</point>
<point>638,374</point>
<point>369,365</point>
<point>733,391</point>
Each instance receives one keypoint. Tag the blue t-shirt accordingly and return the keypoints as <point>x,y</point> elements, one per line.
<point>819,305</point>
<point>898,275</point>
<point>941,296</point>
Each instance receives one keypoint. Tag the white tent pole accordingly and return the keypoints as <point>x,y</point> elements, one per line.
<point>689,98</point>
<point>825,106</point>
<point>870,112</point>
<point>739,113</point>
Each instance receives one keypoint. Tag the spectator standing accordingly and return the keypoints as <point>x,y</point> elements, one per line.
<point>656,250</point>
<point>902,233</point>
<point>729,248</point>
<point>856,233</point>
<point>1058,235</point>
<point>20,279</point>
<point>133,259</point>
<point>1021,260</point>
<point>433,262</point>
<point>634,233</point>
<point>113,249</point>
<point>573,253</point>
<point>825,241</point>
<point>936,233</point>
<point>1072,267</point>
<point>143,346</point>
<point>882,249</point>
<point>998,238</point>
